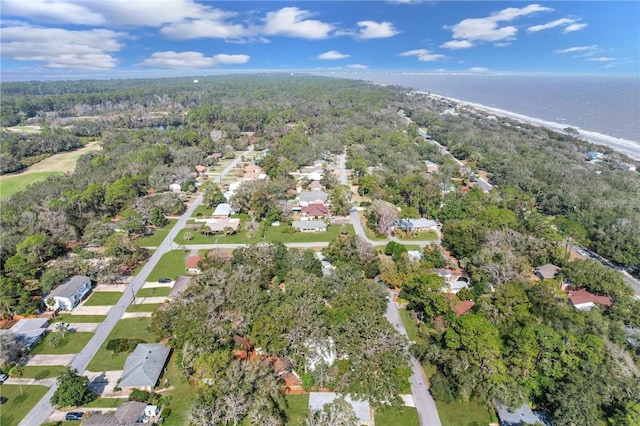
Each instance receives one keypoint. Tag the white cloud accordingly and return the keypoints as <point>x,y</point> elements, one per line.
<point>61,48</point>
<point>371,29</point>
<point>601,59</point>
<point>488,29</point>
<point>549,25</point>
<point>332,55</point>
<point>478,69</point>
<point>153,13</point>
<point>357,66</point>
<point>578,49</point>
<point>181,60</point>
<point>457,44</point>
<point>423,55</point>
<point>205,28</point>
<point>574,27</point>
<point>293,22</point>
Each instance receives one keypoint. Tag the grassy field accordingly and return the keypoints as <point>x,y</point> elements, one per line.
<point>130,328</point>
<point>409,324</point>
<point>423,236</point>
<point>105,403</point>
<point>103,298</point>
<point>143,307</point>
<point>40,372</point>
<point>463,414</point>
<point>158,236</point>
<point>55,164</point>
<point>72,343</point>
<point>170,265</point>
<point>19,404</point>
<point>10,185</point>
<point>298,409</point>
<point>154,292</point>
<point>405,416</point>
<point>79,318</point>
<point>273,234</point>
<point>203,211</point>
<point>181,396</point>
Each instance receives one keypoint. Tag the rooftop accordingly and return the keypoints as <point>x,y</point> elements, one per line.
<point>70,287</point>
<point>144,365</point>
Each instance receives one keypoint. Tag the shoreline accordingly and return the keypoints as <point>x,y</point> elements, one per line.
<point>624,146</point>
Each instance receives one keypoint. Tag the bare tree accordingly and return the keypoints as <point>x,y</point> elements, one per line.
<point>12,350</point>
<point>387,215</point>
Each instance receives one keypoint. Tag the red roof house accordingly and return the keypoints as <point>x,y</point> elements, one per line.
<point>192,264</point>
<point>583,300</point>
<point>314,210</point>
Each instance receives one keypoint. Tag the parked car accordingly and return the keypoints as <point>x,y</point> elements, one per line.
<point>3,377</point>
<point>74,415</point>
<point>164,280</point>
<point>3,399</point>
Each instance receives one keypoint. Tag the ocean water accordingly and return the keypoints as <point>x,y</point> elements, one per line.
<point>607,105</point>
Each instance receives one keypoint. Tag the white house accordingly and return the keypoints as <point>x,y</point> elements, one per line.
<point>67,296</point>
<point>309,225</point>
<point>456,286</point>
<point>416,225</point>
<point>312,197</point>
<point>222,210</point>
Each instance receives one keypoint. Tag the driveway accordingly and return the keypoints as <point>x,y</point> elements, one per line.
<point>80,327</point>
<point>150,300</point>
<point>111,287</point>
<point>92,310</point>
<point>50,359</point>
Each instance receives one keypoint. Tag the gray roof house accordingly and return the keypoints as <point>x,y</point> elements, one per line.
<point>414,225</point>
<point>30,330</point>
<point>309,225</point>
<point>129,413</point>
<point>306,198</point>
<point>222,210</point>
<point>524,415</point>
<point>68,295</point>
<point>547,272</point>
<point>144,365</point>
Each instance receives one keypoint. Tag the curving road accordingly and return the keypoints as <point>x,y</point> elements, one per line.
<point>43,409</point>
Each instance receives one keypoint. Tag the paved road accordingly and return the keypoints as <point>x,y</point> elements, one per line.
<point>426,406</point>
<point>631,281</point>
<point>43,409</point>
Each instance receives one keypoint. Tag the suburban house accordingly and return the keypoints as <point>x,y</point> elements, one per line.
<point>201,169</point>
<point>416,225</point>
<point>309,225</point>
<point>415,255</point>
<point>585,301</point>
<point>317,401</point>
<point>311,173</point>
<point>29,330</point>
<point>524,415</point>
<point>129,413</point>
<point>219,225</point>
<point>316,186</point>
<point>143,366</point>
<point>547,272</point>
<point>314,211</point>
<point>459,307</point>
<point>192,264</point>
<point>252,168</point>
<point>457,285</point>
<point>67,296</point>
<point>444,273</point>
<point>175,187</point>
<point>222,210</point>
<point>312,197</point>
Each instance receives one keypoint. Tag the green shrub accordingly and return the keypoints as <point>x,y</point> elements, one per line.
<point>123,345</point>
<point>140,396</point>
<point>166,412</point>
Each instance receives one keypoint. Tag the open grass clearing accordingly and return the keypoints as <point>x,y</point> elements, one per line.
<point>202,211</point>
<point>130,328</point>
<point>103,298</point>
<point>182,394</point>
<point>273,234</point>
<point>105,403</point>
<point>143,307</point>
<point>72,343</point>
<point>13,184</point>
<point>70,318</point>
<point>392,416</point>
<point>298,409</point>
<point>470,413</point>
<point>172,264</point>
<point>40,372</point>
<point>154,292</point>
<point>19,403</point>
<point>159,234</point>
<point>410,325</point>
<point>422,236</point>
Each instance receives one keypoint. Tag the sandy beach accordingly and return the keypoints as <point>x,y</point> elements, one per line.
<point>625,146</point>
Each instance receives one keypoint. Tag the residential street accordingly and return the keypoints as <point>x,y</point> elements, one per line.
<point>43,409</point>
<point>426,406</point>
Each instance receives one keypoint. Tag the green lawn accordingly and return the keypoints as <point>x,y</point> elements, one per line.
<point>10,185</point>
<point>182,394</point>
<point>170,265</point>
<point>423,236</point>
<point>143,307</point>
<point>79,318</point>
<point>274,233</point>
<point>410,325</point>
<point>154,292</point>
<point>19,404</point>
<point>469,413</point>
<point>203,211</point>
<point>298,409</point>
<point>40,372</point>
<point>72,343</point>
<point>158,236</point>
<point>103,298</point>
<point>130,328</point>
<point>105,403</point>
<point>391,416</point>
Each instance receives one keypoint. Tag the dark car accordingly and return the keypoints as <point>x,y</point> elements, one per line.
<point>164,280</point>
<point>73,415</point>
<point>3,399</point>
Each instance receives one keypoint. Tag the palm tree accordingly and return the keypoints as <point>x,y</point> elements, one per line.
<point>17,371</point>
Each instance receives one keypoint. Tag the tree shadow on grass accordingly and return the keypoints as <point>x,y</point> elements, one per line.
<point>42,374</point>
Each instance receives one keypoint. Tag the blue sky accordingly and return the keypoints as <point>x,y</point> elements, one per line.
<point>171,37</point>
